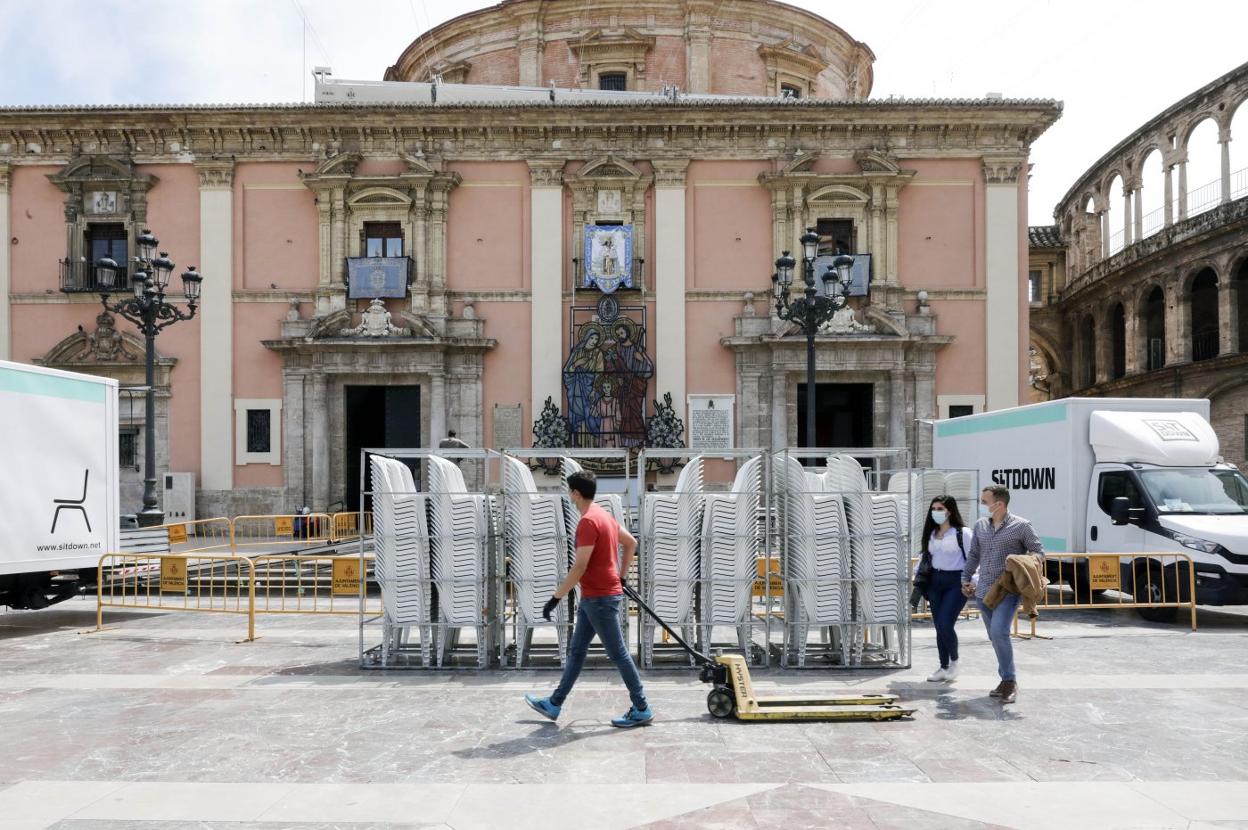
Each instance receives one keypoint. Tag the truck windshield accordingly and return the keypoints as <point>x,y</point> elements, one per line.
<point>1196,490</point>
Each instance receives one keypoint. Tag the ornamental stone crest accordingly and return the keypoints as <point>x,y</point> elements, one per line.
<point>375,322</point>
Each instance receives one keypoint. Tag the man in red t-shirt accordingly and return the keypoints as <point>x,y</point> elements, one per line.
<point>598,537</point>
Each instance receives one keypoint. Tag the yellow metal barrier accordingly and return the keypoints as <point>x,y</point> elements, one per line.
<point>274,533</point>
<point>200,535</point>
<point>347,526</point>
<point>1119,580</point>
<point>212,583</point>
<point>291,584</point>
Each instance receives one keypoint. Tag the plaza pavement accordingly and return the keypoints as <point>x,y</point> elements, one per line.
<point>164,721</point>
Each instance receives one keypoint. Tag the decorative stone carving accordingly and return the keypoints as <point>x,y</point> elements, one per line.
<point>375,322</point>
<point>105,344</point>
<point>792,62</point>
<point>1003,169</point>
<point>670,172</point>
<point>845,321</point>
<point>215,174</point>
<point>546,173</point>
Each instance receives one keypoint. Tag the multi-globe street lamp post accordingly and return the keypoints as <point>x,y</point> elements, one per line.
<point>813,307</point>
<point>151,312</point>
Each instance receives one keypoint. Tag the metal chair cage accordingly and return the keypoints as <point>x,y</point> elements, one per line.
<point>438,558</point>
<point>843,532</point>
<point>703,533</point>
<point>538,525</point>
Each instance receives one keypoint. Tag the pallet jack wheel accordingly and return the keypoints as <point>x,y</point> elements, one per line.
<point>720,702</point>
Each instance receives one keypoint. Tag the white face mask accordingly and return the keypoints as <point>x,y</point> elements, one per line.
<point>939,517</point>
<point>985,511</point>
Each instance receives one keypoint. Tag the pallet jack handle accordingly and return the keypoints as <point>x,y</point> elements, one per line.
<point>694,653</point>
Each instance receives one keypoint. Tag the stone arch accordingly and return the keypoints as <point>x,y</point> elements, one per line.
<point>1114,189</point>
<point>379,196</point>
<point>1151,193</point>
<point>1151,308</point>
<point>1201,299</point>
<point>1203,162</point>
<point>838,193</point>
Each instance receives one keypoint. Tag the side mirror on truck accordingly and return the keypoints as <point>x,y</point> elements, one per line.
<point>1120,510</point>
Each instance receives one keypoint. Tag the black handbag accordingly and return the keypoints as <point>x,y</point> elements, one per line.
<point>922,577</point>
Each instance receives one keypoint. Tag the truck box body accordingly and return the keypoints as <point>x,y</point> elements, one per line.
<point>59,481</point>
<point>1069,463</point>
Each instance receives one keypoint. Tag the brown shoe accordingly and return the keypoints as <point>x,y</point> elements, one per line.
<point>997,691</point>
<point>1009,691</point>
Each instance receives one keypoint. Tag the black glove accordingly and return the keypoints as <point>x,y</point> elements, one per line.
<point>551,605</point>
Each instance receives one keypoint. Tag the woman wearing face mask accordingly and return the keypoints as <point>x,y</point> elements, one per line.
<point>945,540</point>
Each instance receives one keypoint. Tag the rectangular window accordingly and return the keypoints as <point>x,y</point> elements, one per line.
<point>790,91</point>
<point>613,81</point>
<point>128,440</point>
<point>957,410</point>
<point>258,431</point>
<point>259,422</point>
<point>106,239</point>
<point>383,239</point>
<point>1033,286</point>
<point>836,235</point>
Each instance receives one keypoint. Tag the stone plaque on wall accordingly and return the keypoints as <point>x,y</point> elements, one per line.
<point>507,426</point>
<point>710,421</point>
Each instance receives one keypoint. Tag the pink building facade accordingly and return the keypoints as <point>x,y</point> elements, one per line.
<point>472,222</point>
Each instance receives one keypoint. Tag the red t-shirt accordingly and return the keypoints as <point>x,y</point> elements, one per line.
<point>602,577</point>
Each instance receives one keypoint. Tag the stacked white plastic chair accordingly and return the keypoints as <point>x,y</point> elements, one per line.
<point>401,550</point>
<point>613,504</point>
<point>459,542</point>
<point>672,530</point>
<point>730,547</point>
<point>814,533</point>
<point>535,541</point>
<point>885,585</point>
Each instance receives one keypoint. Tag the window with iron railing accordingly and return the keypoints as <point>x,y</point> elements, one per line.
<point>1156,353</point>
<point>613,81</point>
<point>1205,345</point>
<point>102,239</point>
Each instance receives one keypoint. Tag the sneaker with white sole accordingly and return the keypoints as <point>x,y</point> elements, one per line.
<point>938,676</point>
<point>951,673</point>
<point>634,717</point>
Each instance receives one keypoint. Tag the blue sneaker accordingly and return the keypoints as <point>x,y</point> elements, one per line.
<point>634,718</point>
<point>542,706</point>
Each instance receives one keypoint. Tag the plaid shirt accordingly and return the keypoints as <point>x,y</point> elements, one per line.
<point>991,545</point>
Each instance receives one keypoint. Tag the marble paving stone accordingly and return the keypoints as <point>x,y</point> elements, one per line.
<point>72,824</point>
<point>184,801</point>
<point>1200,800</point>
<point>48,801</point>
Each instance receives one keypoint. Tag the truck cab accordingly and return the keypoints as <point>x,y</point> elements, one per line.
<point>1200,511</point>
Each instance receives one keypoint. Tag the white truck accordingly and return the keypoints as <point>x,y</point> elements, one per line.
<point>58,482</point>
<point>1116,475</point>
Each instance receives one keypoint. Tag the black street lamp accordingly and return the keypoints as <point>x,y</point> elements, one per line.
<point>149,310</point>
<point>814,308</point>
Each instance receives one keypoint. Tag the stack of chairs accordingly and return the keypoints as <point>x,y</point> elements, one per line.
<point>459,533</point>
<point>731,542</point>
<point>536,545</point>
<point>401,550</point>
<point>671,566</point>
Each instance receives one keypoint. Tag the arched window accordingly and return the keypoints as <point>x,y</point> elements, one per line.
<point>1241,303</point>
<point>1203,307</point>
<point>1154,340</point>
<point>1117,215</point>
<point>1239,151</point>
<point>1204,168</point>
<point>1152,193</point>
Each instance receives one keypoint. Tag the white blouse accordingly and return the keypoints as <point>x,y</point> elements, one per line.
<point>946,555</point>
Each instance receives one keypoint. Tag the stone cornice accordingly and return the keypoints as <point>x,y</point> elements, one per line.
<point>303,133</point>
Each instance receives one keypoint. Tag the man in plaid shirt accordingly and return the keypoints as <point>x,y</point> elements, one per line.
<point>997,535</point>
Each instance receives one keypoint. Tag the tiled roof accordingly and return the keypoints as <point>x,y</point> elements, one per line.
<point>1044,236</point>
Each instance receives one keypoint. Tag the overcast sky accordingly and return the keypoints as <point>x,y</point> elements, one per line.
<point>1114,63</point>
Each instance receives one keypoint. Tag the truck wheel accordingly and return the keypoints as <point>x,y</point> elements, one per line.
<point>1152,583</point>
<point>721,703</point>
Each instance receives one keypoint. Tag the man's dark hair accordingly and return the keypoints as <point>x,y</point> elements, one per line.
<point>584,482</point>
<point>450,433</point>
<point>999,492</point>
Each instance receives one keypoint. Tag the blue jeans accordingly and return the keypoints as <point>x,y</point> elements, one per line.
<point>601,616</point>
<point>998,621</point>
<point>945,600</point>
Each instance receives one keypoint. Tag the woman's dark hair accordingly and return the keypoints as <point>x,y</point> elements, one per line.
<point>955,518</point>
<point>583,482</point>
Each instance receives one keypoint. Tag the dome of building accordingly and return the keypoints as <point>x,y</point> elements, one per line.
<point>732,47</point>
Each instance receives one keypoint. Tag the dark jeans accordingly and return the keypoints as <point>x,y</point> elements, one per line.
<point>601,616</point>
<point>945,600</point>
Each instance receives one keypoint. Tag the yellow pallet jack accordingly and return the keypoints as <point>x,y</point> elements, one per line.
<point>732,693</point>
